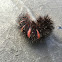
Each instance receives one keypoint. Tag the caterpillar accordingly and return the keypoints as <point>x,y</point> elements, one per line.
<point>36,30</point>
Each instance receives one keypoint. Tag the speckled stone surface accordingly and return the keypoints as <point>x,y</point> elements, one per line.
<point>14,47</point>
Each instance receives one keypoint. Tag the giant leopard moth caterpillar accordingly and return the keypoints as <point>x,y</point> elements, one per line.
<point>35,31</point>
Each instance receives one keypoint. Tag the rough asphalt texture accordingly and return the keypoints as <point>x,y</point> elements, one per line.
<point>14,47</point>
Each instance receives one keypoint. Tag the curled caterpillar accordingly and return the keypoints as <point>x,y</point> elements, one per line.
<point>36,30</point>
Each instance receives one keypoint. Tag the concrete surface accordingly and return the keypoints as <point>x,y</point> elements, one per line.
<point>14,47</point>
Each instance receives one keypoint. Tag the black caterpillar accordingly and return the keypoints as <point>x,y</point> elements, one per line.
<point>36,30</point>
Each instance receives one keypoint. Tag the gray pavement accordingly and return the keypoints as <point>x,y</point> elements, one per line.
<point>14,47</point>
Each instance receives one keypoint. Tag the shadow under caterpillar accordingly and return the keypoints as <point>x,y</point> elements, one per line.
<point>36,30</point>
